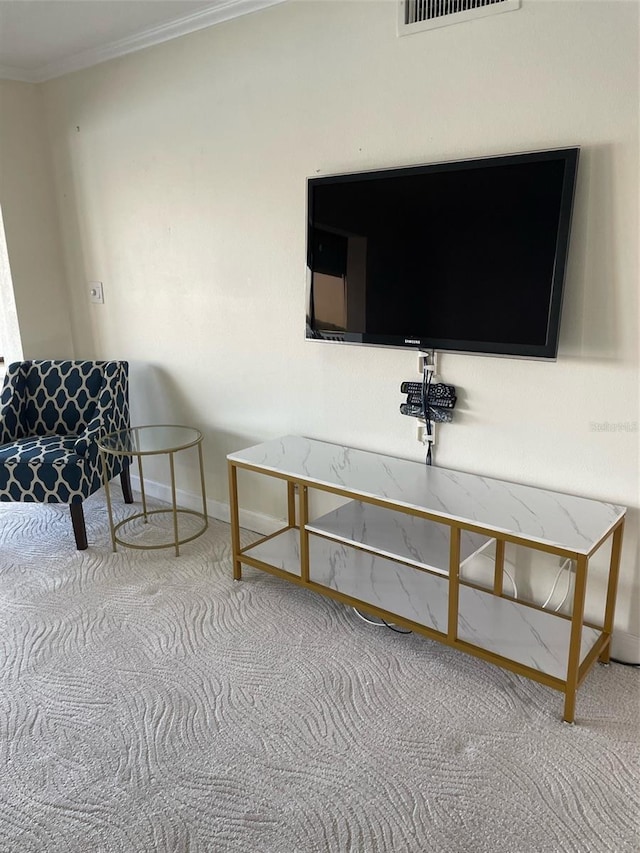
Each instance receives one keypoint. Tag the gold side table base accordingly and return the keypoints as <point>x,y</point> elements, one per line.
<point>174,543</point>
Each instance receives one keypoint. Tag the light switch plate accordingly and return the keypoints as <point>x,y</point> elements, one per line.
<point>96,293</point>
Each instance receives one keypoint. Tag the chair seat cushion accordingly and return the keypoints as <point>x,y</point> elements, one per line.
<point>42,469</point>
<point>49,449</point>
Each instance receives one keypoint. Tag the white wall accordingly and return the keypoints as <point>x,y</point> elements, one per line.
<point>35,310</point>
<point>180,175</point>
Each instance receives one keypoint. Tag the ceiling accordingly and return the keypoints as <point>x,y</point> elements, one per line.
<point>42,39</point>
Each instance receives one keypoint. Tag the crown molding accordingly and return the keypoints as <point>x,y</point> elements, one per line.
<point>209,17</point>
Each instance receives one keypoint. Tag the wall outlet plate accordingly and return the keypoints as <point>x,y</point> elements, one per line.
<point>96,293</point>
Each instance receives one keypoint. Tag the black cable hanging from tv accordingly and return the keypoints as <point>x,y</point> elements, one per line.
<point>427,373</point>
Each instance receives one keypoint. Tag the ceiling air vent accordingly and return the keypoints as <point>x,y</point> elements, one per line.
<point>417,15</point>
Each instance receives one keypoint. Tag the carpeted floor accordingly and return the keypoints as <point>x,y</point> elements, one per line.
<point>149,703</point>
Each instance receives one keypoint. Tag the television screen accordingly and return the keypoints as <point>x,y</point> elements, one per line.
<point>466,256</point>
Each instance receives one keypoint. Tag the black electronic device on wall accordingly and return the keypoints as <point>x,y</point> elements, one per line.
<point>465,256</point>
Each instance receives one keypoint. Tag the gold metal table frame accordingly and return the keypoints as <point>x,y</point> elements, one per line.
<point>299,530</point>
<point>156,440</point>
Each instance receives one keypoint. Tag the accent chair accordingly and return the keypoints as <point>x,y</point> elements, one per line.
<point>51,414</point>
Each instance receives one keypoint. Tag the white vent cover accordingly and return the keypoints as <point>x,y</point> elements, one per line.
<point>417,15</point>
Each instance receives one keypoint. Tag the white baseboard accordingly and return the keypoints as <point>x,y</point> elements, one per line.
<point>624,646</point>
<point>255,521</point>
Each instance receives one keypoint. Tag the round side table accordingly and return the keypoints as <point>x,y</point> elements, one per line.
<point>159,440</point>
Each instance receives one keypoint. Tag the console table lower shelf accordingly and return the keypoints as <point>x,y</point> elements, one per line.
<point>400,555</point>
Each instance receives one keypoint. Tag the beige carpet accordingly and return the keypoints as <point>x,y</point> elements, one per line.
<point>149,703</point>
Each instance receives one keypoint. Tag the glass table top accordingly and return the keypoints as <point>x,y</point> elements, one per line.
<point>150,439</point>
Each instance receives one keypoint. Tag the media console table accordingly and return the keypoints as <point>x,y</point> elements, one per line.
<point>397,545</point>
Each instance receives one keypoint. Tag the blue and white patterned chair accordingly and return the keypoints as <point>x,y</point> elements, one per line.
<point>51,413</point>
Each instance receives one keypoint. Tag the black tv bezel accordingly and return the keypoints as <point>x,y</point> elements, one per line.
<point>548,350</point>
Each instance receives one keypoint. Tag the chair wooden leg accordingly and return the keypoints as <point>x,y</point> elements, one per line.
<point>125,482</point>
<point>79,529</point>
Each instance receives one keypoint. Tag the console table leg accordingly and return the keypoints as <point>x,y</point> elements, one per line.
<point>577,616</point>
<point>454,576</point>
<point>612,588</point>
<point>498,574</point>
<point>235,521</point>
<point>569,712</point>
<point>303,496</point>
<point>291,503</point>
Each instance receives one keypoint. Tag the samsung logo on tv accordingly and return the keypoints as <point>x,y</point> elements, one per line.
<point>411,341</point>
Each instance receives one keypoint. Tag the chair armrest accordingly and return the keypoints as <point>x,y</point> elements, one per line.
<point>89,435</point>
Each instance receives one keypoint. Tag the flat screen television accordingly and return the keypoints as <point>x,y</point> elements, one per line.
<point>467,256</point>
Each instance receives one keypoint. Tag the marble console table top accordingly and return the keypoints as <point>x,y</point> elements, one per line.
<point>536,515</point>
